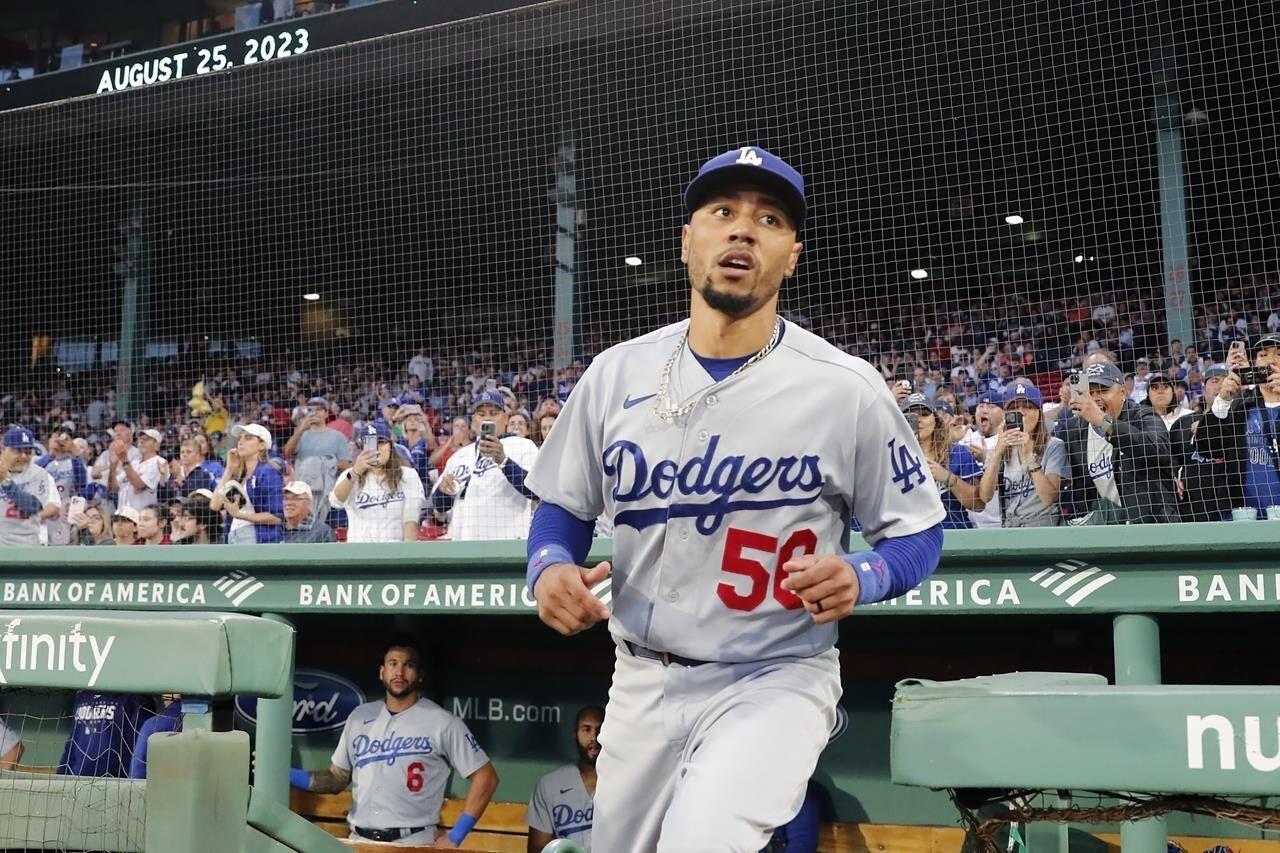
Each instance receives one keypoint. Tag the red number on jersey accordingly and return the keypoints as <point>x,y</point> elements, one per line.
<point>413,778</point>
<point>11,511</point>
<point>803,541</point>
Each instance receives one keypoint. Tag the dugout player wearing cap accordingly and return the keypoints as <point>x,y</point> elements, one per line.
<point>731,451</point>
<point>484,482</point>
<point>397,753</point>
<point>28,494</point>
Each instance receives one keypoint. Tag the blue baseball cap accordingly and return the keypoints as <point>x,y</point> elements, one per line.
<point>917,401</point>
<point>992,398</point>
<point>20,438</point>
<point>318,401</point>
<point>492,397</point>
<point>1023,391</point>
<point>378,428</point>
<point>750,165</point>
<point>1216,371</point>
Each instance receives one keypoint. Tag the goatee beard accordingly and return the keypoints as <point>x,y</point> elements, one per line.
<point>734,305</point>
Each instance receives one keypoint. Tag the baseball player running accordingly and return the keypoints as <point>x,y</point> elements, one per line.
<point>730,450</point>
<point>561,805</point>
<point>397,753</point>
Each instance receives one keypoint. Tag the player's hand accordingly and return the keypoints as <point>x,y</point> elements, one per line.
<point>565,600</point>
<point>826,584</point>
<point>449,484</point>
<point>490,446</point>
<point>939,473</point>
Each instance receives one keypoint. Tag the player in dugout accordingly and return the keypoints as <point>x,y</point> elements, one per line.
<point>731,451</point>
<point>397,753</point>
<point>562,806</point>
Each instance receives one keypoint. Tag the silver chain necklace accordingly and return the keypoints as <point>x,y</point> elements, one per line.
<point>670,414</point>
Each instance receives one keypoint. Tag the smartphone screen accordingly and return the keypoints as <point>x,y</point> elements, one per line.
<point>488,429</point>
<point>1013,420</point>
<point>371,443</point>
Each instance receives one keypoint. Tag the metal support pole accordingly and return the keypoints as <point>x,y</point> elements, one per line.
<point>1137,656</point>
<point>274,741</point>
<point>566,198</point>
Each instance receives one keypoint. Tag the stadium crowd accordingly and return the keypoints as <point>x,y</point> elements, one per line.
<point>1030,413</point>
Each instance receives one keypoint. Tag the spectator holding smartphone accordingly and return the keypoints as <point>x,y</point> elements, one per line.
<point>954,469</point>
<point>1210,480</point>
<point>250,491</point>
<point>1026,467</point>
<point>484,481</point>
<point>319,454</point>
<point>1121,467</point>
<point>1243,423</point>
<point>382,497</point>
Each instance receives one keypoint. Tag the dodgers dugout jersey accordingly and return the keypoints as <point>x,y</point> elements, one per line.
<point>35,481</point>
<point>400,763</point>
<point>561,806</point>
<point>770,464</point>
<point>487,506</point>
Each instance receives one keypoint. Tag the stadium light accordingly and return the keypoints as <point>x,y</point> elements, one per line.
<point>1014,219</point>
<point>311,297</point>
<point>632,261</point>
<point>919,274</point>
<point>1079,259</point>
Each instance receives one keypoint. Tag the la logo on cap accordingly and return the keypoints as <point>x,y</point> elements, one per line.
<point>750,157</point>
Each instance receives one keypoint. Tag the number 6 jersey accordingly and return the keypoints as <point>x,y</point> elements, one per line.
<point>770,464</point>
<point>400,763</point>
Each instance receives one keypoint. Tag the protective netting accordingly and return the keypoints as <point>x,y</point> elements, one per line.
<point>67,765</point>
<point>403,230</point>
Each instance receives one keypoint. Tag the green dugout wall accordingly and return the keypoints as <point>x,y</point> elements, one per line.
<point>1002,601</point>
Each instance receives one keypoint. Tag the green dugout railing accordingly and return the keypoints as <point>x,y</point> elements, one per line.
<point>1132,573</point>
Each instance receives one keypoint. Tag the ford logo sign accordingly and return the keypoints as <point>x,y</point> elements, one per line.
<point>322,702</point>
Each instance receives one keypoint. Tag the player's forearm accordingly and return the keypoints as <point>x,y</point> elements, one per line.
<point>897,565</point>
<point>556,536</point>
<point>51,511</point>
<point>332,781</point>
<point>483,784</point>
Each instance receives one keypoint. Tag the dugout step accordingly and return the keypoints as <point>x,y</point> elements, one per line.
<point>1062,730</point>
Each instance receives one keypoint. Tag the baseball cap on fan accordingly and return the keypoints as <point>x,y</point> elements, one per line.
<point>1104,374</point>
<point>490,397</point>
<point>20,438</point>
<point>750,165</point>
<point>252,429</point>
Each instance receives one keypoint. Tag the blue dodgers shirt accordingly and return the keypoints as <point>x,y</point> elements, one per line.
<point>964,467</point>
<point>1261,479</point>
<point>104,729</point>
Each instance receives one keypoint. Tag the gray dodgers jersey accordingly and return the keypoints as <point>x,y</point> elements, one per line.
<point>33,480</point>
<point>400,763</point>
<point>770,464</point>
<point>561,806</point>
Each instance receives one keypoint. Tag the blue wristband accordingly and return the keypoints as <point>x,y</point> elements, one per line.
<point>873,576</point>
<point>300,778</point>
<point>548,556</point>
<point>465,824</point>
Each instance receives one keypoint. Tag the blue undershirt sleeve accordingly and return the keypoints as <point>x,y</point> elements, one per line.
<point>515,476</point>
<point>556,536</point>
<point>897,566</point>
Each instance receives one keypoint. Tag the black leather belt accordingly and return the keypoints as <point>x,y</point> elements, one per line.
<point>393,834</point>
<point>664,658</point>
